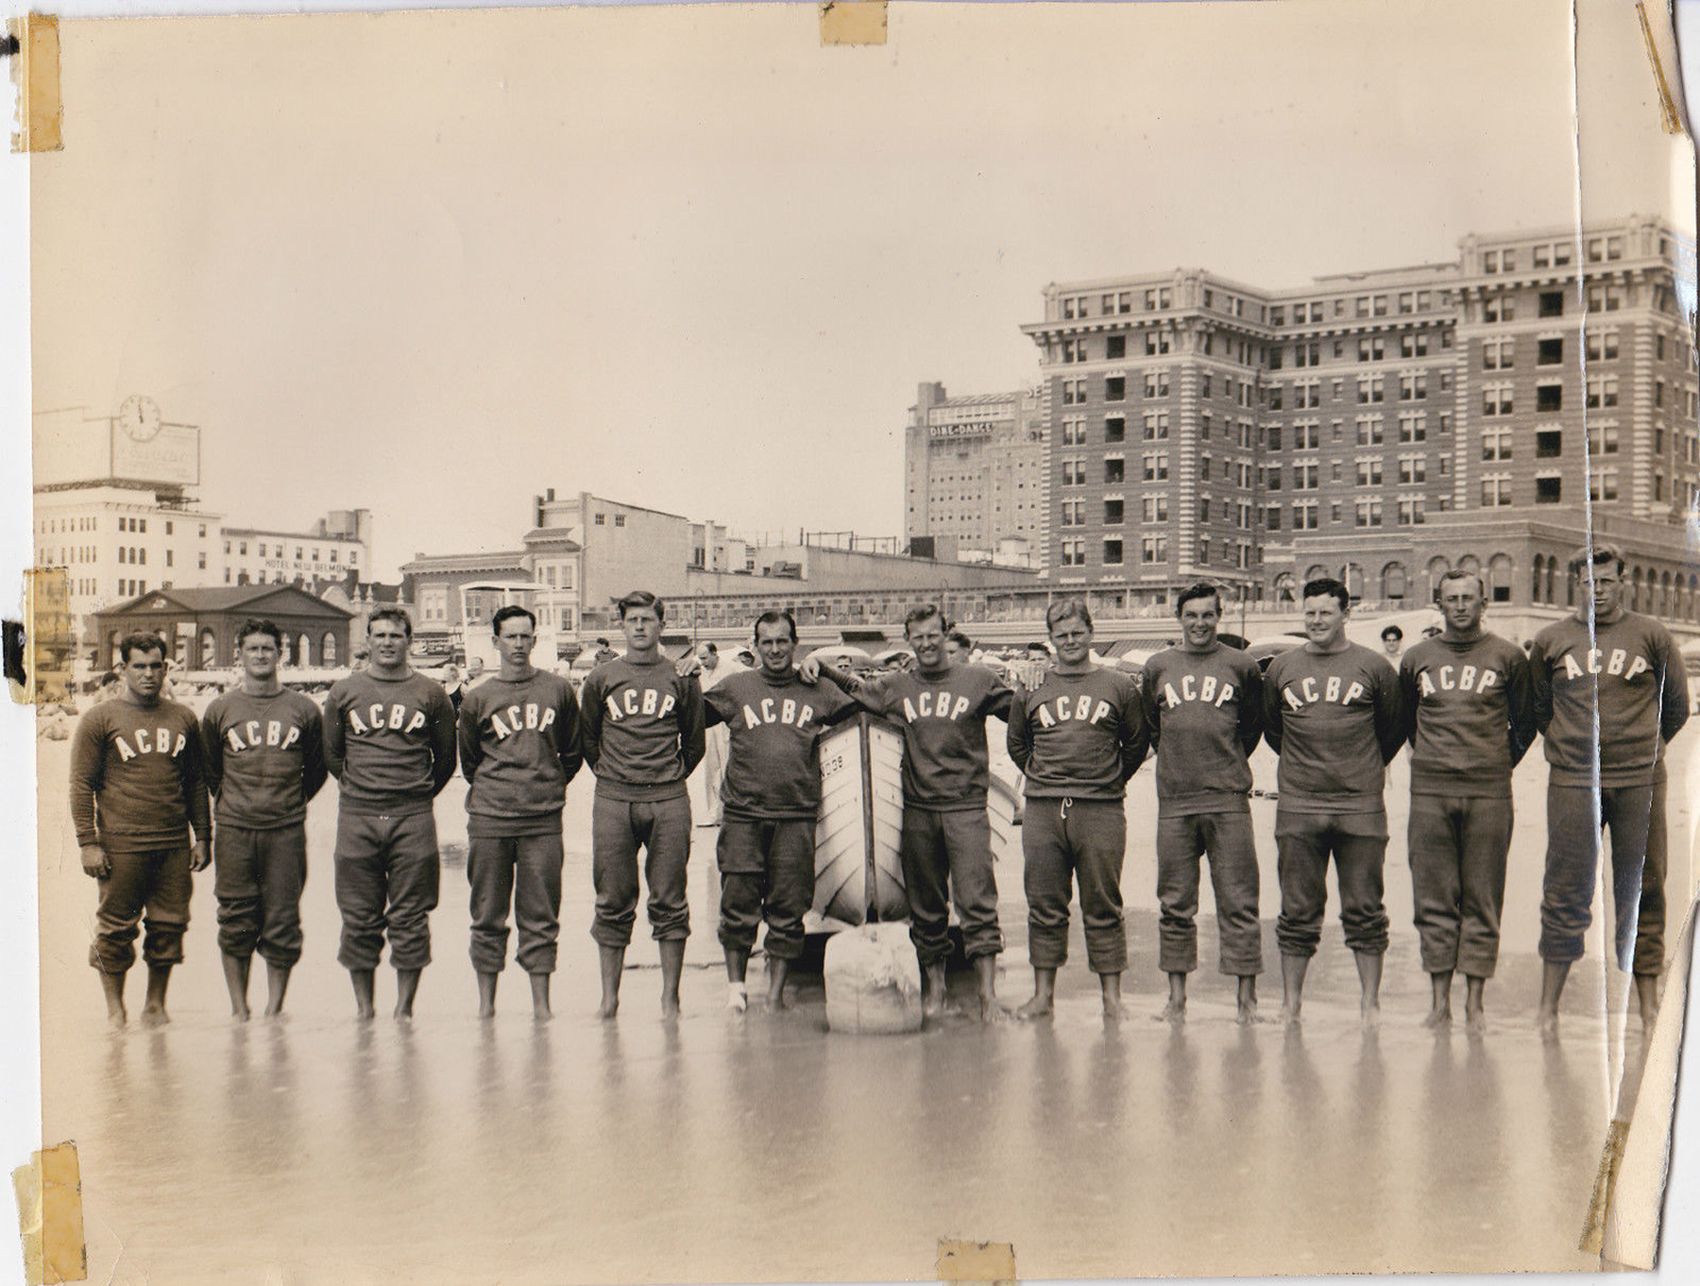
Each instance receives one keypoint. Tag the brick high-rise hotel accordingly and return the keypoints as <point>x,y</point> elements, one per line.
<point>1381,425</point>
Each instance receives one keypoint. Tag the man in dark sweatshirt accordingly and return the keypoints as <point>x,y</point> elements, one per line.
<point>642,728</point>
<point>771,798</point>
<point>519,747</point>
<point>946,839</point>
<point>1470,716</point>
<point>1610,691</point>
<point>1204,702</point>
<point>390,743</point>
<point>265,760</point>
<point>1079,736</point>
<point>1331,711</point>
<point>139,806</point>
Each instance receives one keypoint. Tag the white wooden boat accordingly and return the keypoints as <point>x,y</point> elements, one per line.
<point>858,872</point>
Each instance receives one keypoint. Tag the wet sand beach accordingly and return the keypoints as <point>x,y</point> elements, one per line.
<point>316,1149</point>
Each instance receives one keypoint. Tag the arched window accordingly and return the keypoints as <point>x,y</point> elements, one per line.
<point>1499,578</point>
<point>1393,582</point>
<point>1536,569</point>
<point>1635,590</point>
<point>1285,589</point>
<point>1667,605</point>
<point>117,660</point>
<point>1552,573</point>
<point>1354,578</point>
<point>303,650</point>
<point>209,649</point>
<point>285,657</point>
<point>1437,567</point>
<point>1316,571</point>
<point>327,649</point>
<point>1693,612</point>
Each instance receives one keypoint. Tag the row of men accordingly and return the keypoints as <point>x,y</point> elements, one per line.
<point>1604,687</point>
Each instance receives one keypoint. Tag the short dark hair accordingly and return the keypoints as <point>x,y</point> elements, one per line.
<point>1392,632</point>
<point>259,625</point>
<point>774,617</point>
<point>925,612</point>
<point>507,614</point>
<point>1597,555</point>
<point>140,641</point>
<point>391,614</point>
<point>713,648</point>
<point>1202,589</point>
<point>1460,573</point>
<point>1327,585</point>
<point>1037,646</point>
<point>640,598</point>
<point>601,642</point>
<point>1067,609</point>
<point>960,639</point>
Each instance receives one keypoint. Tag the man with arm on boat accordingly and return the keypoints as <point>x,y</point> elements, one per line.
<point>946,846</point>
<point>771,796</point>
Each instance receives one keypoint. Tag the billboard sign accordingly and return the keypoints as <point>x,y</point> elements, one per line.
<point>171,455</point>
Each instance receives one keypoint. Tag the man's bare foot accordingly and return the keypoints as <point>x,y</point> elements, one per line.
<point>1247,1013</point>
<point>669,1005</point>
<point>608,1008</point>
<point>777,998</point>
<point>1173,1012</point>
<point>1114,1010</point>
<point>540,1012</point>
<point>992,1013</point>
<point>487,1009</point>
<point>116,1018</point>
<point>1289,1015</point>
<point>1475,1021</point>
<point>737,998</point>
<point>365,1011</point>
<point>240,1013</point>
<point>1039,1006</point>
<point>155,1016</point>
<point>1369,1015</point>
<point>932,990</point>
<point>1441,1017</point>
<point>404,1012</point>
<point>1546,1023</point>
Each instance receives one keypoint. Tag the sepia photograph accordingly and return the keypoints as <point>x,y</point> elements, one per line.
<point>786,642</point>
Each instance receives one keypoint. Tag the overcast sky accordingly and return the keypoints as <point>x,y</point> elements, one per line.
<point>430,264</point>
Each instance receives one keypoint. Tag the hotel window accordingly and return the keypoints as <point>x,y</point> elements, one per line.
<point>1369,473</point>
<point>1112,551</point>
<point>1542,256</point>
<point>1368,513</point>
<point>1561,253</point>
<point>1496,490</point>
<point>1124,301</point>
<point>1114,469</point>
<point>1381,305</point>
<point>1602,391</point>
<point>1156,425</point>
<point>1275,397</point>
<point>1156,509</point>
<point>1272,478</point>
<point>1614,248</point>
<point>1370,390</point>
<point>1405,301</point>
<point>1549,352</point>
<point>1157,343</point>
<point>1603,440</point>
<point>1307,354</point>
<point>1413,345</point>
<point>1369,430</point>
<point>1552,303</point>
<point>1305,516</point>
<point>1412,468</point>
<point>1115,389</point>
<point>1498,308</point>
<point>1272,437</point>
<point>1073,473</point>
<point>1074,552</point>
<point>1073,391</point>
<point>1114,346</point>
<point>1156,468</point>
<point>1074,350</point>
<point>1278,314</point>
<point>1498,354</point>
<point>1154,549</point>
<point>1496,444</point>
<point>1112,513</point>
<point>1549,444</point>
<point>1496,399</point>
<point>1157,384</point>
<point>1413,427</point>
<point>1360,306</point>
<point>1073,433</point>
<point>1204,426</point>
<point>1413,388</point>
<point>1073,513</point>
<point>1602,345</point>
<point>1371,349</point>
<point>1549,490</point>
<point>1602,484</point>
<point>1411,511</point>
<point>1307,437</point>
<point>1604,299</point>
<point>1305,477</point>
<point>1115,429</point>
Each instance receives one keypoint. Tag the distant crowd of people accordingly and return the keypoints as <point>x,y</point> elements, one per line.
<point>157,794</point>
